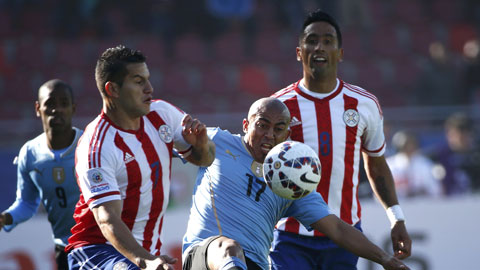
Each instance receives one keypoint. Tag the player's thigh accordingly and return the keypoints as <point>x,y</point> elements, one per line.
<point>287,255</point>
<point>338,259</point>
<point>103,257</point>
<point>222,248</point>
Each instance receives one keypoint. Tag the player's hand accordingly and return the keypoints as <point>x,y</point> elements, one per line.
<point>5,219</point>
<point>394,264</point>
<point>402,244</point>
<point>162,262</point>
<point>194,132</point>
<point>2,221</point>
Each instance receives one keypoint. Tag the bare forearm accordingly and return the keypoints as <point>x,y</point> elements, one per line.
<point>381,180</point>
<point>354,241</point>
<point>204,155</point>
<point>118,234</point>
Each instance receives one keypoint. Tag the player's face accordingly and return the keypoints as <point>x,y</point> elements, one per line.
<point>264,130</point>
<point>55,108</point>
<point>135,94</point>
<point>319,51</point>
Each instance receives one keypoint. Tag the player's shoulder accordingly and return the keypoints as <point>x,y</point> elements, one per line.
<point>161,105</point>
<point>359,92</point>
<point>216,133</point>
<point>286,92</point>
<point>363,96</point>
<point>35,144</point>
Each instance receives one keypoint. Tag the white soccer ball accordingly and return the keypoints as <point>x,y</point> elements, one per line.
<point>292,170</point>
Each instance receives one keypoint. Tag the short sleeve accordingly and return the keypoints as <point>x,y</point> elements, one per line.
<point>309,209</point>
<point>27,197</point>
<point>98,183</point>
<point>373,139</point>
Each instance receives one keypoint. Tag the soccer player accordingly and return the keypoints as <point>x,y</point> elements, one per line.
<point>123,164</point>
<point>46,168</point>
<point>339,121</point>
<point>233,212</point>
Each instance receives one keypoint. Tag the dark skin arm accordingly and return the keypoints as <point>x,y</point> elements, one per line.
<point>381,180</point>
<point>355,241</point>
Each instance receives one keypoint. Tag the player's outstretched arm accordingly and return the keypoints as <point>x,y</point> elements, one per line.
<point>356,242</point>
<point>108,217</point>
<point>381,180</point>
<point>195,133</point>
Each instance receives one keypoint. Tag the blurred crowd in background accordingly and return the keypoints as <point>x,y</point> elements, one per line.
<point>421,58</point>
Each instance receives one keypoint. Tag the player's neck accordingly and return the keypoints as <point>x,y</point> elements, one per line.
<point>60,139</point>
<point>320,85</point>
<point>122,119</point>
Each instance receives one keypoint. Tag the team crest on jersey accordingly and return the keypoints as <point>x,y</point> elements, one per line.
<point>351,117</point>
<point>95,176</point>
<point>58,174</point>
<point>120,266</point>
<point>166,133</point>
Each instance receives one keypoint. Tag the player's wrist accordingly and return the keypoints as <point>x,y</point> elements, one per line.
<point>7,218</point>
<point>395,214</point>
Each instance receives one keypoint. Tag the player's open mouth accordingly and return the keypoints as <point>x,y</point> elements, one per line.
<point>266,147</point>
<point>319,59</point>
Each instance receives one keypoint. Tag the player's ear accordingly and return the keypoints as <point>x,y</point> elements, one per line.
<point>245,125</point>
<point>299,55</point>
<point>111,89</point>
<point>340,55</point>
<point>37,108</point>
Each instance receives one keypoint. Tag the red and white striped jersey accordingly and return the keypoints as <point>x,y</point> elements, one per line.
<point>133,166</point>
<point>338,126</point>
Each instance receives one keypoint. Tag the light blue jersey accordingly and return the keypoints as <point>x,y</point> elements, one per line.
<point>231,198</point>
<point>50,178</point>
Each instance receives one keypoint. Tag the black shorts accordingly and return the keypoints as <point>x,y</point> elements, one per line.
<point>196,259</point>
<point>61,257</point>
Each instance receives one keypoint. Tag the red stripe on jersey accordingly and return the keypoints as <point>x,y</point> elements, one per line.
<point>286,90</point>
<point>292,104</point>
<point>93,142</point>
<point>159,242</point>
<point>132,197</point>
<point>101,143</point>
<point>156,177</point>
<point>347,189</point>
<point>325,148</point>
<point>102,196</point>
<point>325,153</point>
<point>376,150</point>
<point>292,225</point>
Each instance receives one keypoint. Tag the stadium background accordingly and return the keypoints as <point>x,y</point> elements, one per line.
<point>213,58</point>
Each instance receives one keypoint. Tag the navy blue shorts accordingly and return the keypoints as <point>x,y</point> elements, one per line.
<point>292,251</point>
<point>102,256</point>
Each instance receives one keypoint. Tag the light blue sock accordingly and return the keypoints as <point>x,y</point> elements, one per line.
<point>233,262</point>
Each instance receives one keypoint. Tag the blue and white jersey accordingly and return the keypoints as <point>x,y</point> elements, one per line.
<point>231,198</point>
<point>49,178</point>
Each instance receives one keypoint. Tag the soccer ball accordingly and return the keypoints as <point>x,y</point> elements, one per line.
<point>292,170</point>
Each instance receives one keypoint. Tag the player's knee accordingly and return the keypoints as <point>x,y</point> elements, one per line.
<point>230,248</point>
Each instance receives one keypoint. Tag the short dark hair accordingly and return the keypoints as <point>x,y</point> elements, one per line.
<point>57,84</point>
<point>459,121</point>
<point>112,65</point>
<point>320,16</point>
